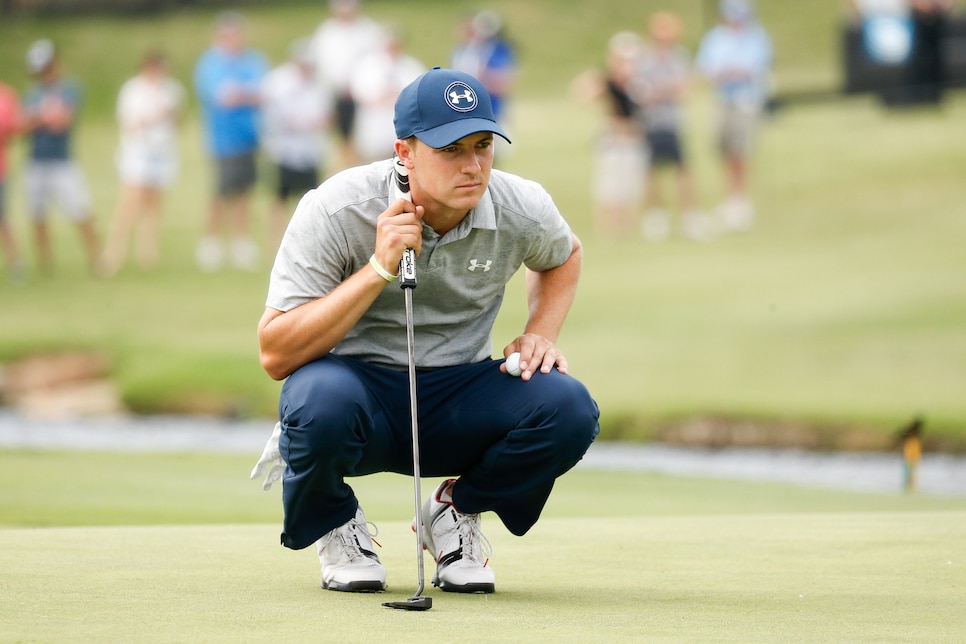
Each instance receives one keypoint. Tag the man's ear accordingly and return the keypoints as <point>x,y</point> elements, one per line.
<point>405,151</point>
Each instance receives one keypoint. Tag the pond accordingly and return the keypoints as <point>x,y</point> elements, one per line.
<point>940,474</point>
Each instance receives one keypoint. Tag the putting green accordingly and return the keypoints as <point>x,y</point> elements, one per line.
<point>800,577</point>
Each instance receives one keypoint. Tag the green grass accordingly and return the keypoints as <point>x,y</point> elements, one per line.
<point>805,577</point>
<point>48,489</point>
<point>147,547</point>
<point>843,308</point>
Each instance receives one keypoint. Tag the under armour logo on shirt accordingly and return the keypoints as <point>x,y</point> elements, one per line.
<point>475,264</point>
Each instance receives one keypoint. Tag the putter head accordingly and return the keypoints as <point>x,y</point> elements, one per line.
<point>413,603</point>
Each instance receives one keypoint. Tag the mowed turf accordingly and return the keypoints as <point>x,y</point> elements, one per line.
<point>617,557</point>
<point>797,577</point>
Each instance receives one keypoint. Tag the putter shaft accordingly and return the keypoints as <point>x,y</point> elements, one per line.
<point>410,337</point>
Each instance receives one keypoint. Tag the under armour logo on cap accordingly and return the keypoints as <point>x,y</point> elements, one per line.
<point>461,97</point>
<point>442,106</point>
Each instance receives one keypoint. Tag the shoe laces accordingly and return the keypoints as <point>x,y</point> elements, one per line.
<point>476,547</point>
<point>350,536</point>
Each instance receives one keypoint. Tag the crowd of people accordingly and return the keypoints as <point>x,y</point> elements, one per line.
<point>644,85</point>
<point>328,106</point>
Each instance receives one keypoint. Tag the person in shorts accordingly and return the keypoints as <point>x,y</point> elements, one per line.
<point>620,160</point>
<point>735,56</point>
<point>296,113</point>
<point>379,77</point>
<point>342,39</point>
<point>335,329</point>
<point>227,79</point>
<point>661,85</point>
<point>149,107</point>
<point>52,177</point>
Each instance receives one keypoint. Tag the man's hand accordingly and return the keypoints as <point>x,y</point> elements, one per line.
<point>271,460</point>
<point>537,353</point>
<point>549,296</point>
<point>399,227</point>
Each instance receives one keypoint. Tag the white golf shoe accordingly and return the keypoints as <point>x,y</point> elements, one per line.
<point>348,561</point>
<point>459,548</point>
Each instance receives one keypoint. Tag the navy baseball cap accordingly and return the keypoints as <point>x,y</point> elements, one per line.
<point>443,106</point>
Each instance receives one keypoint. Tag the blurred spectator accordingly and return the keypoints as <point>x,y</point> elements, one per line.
<point>375,85</point>
<point>735,56</point>
<point>620,159</point>
<point>339,43</point>
<point>10,123</point>
<point>148,109</point>
<point>661,84</point>
<point>486,53</point>
<point>50,112</point>
<point>228,80</point>
<point>927,65</point>
<point>911,440</point>
<point>296,113</point>
<point>886,34</point>
<point>462,56</point>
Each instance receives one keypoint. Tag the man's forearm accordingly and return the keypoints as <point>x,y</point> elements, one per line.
<point>291,339</point>
<point>550,295</point>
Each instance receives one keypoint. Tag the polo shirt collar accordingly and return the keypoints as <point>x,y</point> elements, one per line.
<point>483,216</point>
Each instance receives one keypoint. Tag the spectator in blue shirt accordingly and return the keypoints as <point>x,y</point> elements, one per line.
<point>736,56</point>
<point>228,80</point>
<point>487,54</point>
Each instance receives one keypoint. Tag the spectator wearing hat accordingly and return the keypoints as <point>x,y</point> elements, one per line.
<point>52,176</point>
<point>736,56</point>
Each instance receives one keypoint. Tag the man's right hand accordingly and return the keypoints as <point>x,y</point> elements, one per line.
<point>399,227</point>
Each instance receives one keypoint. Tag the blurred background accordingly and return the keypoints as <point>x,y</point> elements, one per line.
<point>828,314</point>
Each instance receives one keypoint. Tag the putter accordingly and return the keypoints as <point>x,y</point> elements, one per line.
<point>407,282</point>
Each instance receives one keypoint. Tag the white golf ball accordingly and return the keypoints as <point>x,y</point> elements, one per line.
<point>513,364</point>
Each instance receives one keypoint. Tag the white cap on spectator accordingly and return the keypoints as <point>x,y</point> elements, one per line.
<point>39,56</point>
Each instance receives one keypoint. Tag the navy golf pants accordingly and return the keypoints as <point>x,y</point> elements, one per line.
<point>505,439</point>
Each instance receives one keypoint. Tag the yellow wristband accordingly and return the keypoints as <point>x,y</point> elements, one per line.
<point>383,273</point>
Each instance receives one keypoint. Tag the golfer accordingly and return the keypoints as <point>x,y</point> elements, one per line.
<point>335,329</point>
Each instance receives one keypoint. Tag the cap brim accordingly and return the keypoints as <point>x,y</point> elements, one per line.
<point>443,135</point>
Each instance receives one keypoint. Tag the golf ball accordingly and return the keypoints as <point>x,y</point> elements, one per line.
<point>513,364</point>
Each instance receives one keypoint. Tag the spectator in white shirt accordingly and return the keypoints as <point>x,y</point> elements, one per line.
<point>296,114</point>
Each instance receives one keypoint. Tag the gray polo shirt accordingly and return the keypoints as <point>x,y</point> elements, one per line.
<point>461,276</point>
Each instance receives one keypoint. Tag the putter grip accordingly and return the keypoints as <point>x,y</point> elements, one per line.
<point>407,269</point>
<point>407,265</point>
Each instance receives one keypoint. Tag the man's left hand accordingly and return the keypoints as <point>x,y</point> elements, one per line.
<point>537,353</point>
